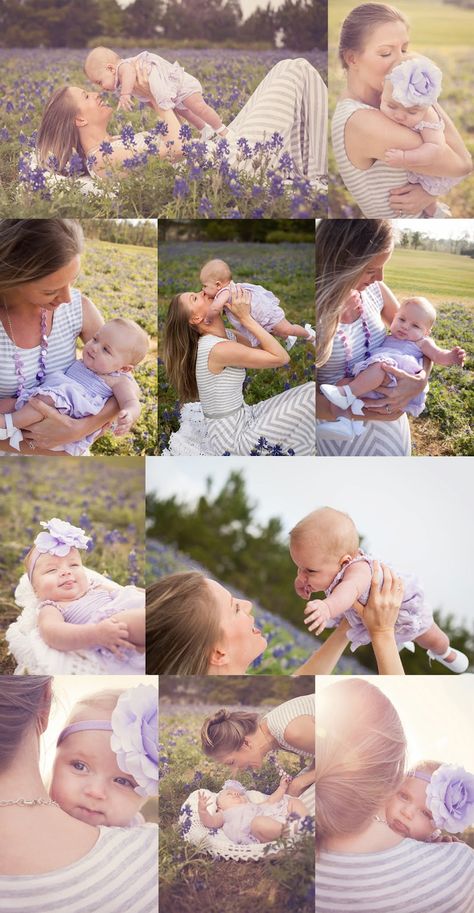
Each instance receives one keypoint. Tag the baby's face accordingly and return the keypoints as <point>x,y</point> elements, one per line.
<point>107,351</point>
<point>408,117</point>
<point>210,285</point>
<point>316,567</point>
<point>58,578</point>
<point>104,76</point>
<point>407,813</point>
<point>88,784</point>
<point>410,322</point>
<point>229,797</point>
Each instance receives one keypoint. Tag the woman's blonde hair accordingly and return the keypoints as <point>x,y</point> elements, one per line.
<point>226,731</point>
<point>182,625</point>
<point>360,22</point>
<point>344,248</point>
<point>31,249</point>
<point>22,700</point>
<point>180,351</point>
<point>360,757</point>
<point>58,135</point>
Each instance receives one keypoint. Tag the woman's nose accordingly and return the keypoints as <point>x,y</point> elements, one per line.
<point>64,295</point>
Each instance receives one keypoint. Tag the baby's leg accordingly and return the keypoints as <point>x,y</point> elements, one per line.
<point>265,829</point>
<point>367,380</point>
<point>197,106</point>
<point>28,415</point>
<point>192,118</point>
<point>297,807</point>
<point>436,640</point>
<point>284,328</point>
<point>135,621</point>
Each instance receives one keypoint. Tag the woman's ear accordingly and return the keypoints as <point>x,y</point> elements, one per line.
<point>43,716</point>
<point>80,121</point>
<point>350,58</point>
<point>218,657</point>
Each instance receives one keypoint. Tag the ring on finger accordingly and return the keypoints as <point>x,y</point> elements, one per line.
<point>31,445</point>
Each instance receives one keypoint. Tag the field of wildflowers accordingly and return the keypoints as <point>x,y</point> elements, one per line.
<point>288,646</point>
<point>286,269</point>
<point>103,496</point>
<point>204,185</point>
<point>191,880</point>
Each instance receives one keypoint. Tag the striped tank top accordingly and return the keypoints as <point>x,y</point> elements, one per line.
<point>61,351</point>
<point>220,394</point>
<point>370,188</point>
<point>279,718</point>
<point>334,369</point>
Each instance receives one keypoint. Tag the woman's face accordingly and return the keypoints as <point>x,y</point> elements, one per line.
<point>373,272</point>
<point>384,47</point>
<point>90,107</point>
<point>50,291</point>
<point>250,755</point>
<point>196,305</point>
<point>240,639</point>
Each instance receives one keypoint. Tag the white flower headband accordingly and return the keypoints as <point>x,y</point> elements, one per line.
<point>449,796</point>
<point>59,540</point>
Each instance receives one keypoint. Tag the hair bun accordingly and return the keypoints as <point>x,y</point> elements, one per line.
<point>221,716</point>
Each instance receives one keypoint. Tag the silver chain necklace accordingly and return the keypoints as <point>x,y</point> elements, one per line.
<point>39,801</point>
<point>378,818</point>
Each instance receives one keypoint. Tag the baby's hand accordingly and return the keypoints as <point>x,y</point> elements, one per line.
<point>203,802</point>
<point>285,781</point>
<point>317,614</point>
<point>112,634</point>
<point>303,589</point>
<point>394,157</point>
<point>125,420</point>
<point>456,356</point>
<point>125,103</point>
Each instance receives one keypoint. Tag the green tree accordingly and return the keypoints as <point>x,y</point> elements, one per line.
<point>215,20</point>
<point>143,18</point>
<point>261,25</point>
<point>304,24</point>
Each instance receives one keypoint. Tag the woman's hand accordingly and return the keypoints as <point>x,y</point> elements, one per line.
<point>410,199</point>
<point>142,81</point>
<point>397,398</point>
<point>54,430</point>
<point>239,304</point>
<point>301,782</point>
<point>383,604</point>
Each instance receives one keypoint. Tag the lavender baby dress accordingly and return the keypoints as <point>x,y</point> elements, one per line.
<point>238,819</point>
<point>403,354</point>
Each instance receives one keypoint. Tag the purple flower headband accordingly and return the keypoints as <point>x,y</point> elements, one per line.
<point>59,540</point>
<point>134,739</point>
<point>416,81</point>
<point>449,796</point>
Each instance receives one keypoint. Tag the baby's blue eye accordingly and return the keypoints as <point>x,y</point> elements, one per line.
<point>122,781</point>
<point>79,765</point>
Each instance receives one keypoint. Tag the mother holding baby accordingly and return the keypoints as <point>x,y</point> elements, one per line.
<point>354,307</point>
<point>42,315</point>
<point>374,38</point>
<point>207,362</point>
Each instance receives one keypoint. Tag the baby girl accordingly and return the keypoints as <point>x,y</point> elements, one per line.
<point>216,281</point>
<point>83,389</point>
<point>74,613</point>
<point>325,548</point>
<point>433,798</point>
<point>408,98</point>
<point>244,821</point>
<point>404,348</point>
<point>106,764</point>
<point>170,86</point>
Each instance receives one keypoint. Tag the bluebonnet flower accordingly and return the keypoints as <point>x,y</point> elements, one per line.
<point>106,147</point>
<point>185,132</point>
<point>205,207</point>
<point>127,135</point>
<point>181,187</point>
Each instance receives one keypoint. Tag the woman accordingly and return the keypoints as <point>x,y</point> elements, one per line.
<point>207,362</point>
<point>41,318</point>
<point>353,309</point>
<point>240,739</point>
<point>291,100</point>
<point>363,865</point>
<point>196,627</point>
<point>374,38</point>
<point>49,860</point>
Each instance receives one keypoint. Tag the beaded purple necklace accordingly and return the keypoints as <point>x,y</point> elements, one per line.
<point>346,345</point>
<point>17,357</point>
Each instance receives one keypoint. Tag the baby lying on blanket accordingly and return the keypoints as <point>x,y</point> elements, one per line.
<point>245,821</point>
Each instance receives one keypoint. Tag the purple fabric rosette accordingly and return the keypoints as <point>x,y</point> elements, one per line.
<point>415,82</point>
<point>450,798</point>
<point>60,538</point>
<point>135,736</point>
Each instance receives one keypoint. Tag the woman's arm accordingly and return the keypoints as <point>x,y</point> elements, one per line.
<point>379,617</point>
<point>323,660</point>
<point>92,319</point>
<point>300,733</point>
<point>234,354</point>
<point>57,429</point>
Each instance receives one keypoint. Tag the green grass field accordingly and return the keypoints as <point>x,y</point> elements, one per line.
<point>436,275</point>
<point>431,22</point>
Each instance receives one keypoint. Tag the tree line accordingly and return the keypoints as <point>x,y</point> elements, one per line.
<point>297,24</point>
<point>269,231</point>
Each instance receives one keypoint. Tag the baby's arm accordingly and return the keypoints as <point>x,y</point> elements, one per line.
<point>280,790</point>
<point>126,393</point>
<point>426,154</point>
<point>128,77</point>
<point>319,611</point>
<point>205,816</point>
<point>445,357</point>
<point>61,635</point>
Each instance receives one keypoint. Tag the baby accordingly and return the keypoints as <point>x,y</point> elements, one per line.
<point>98,777</point>
<point>433,798</point>
<point>244,821</point>
<point>216,281</point>
<point>325,548</point>
<point>170,86</point>
<point>108,360</point>
<point>404,348</point>
<point>409,94</point>
<point>74,613</point>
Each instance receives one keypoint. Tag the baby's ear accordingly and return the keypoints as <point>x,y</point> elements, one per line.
<point>128,368</point>
<point>344,560</point>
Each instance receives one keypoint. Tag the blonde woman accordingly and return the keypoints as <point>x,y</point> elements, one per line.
<point>195,626</point>
<point>362,864</point>
<point>374,38</point>
<point>42,315</point>
<point>206,361</point>
<point>354,307</point>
